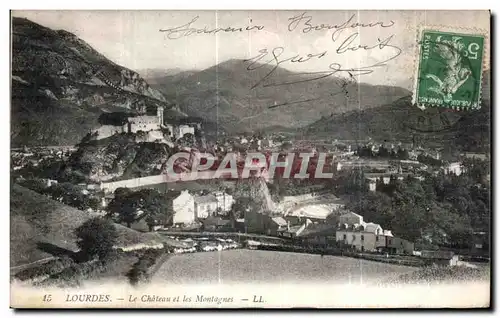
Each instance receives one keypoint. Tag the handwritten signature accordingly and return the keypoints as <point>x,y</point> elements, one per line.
<point>276,59</point>
<point>187,30</point>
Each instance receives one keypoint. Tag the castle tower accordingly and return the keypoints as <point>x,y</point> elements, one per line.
<point>159,114</point>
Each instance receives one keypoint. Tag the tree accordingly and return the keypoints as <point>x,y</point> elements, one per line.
<point>124,207</point>
<point>477,169</point>
<point>383,152</point>
<point>354,182</point>
<point>96,238</point>
<point>375,207</point>
<point>403,154</point>
<point>154,205</point>
<point>156,208</point>
<point>240,205</point>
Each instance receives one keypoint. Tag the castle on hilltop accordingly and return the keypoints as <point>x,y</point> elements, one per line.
<point>154,126</point>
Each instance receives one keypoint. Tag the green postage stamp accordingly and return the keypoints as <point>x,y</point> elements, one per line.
<point>450,67</point>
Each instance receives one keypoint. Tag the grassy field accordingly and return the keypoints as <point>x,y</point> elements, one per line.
<point>40,227</point>
<point>439,274</point>
<point>244,266</point>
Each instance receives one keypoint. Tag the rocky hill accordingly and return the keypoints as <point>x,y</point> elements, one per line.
<point>118,157</point>
<point>61,85</point>
<point>223,94</point>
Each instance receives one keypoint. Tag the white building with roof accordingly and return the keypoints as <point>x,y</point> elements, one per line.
<point>183,206</point>
<point>205,206</point>
<point>368,236</point>
<point>224,201</point>
<point>182,130</point>
<point>454,168</point>
<point>351,218</point>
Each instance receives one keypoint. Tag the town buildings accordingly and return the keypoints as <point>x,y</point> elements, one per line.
<point>385,177</point>
<point>322,234</point>
<point>369,237</point>
<point>397,245</point>
<point>190,208</point>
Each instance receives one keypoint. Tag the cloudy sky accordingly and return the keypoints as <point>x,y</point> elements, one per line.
<point>133,38</point>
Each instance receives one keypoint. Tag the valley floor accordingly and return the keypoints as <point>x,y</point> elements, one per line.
<point>244,266</point>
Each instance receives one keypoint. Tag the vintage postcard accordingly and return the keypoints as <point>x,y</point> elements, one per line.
<point>250,159</point>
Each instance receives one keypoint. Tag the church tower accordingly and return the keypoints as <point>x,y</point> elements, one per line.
<point>159,114</point>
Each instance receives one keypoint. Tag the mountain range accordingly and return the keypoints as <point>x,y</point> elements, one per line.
<point>61,85</point>
<point>466,130</point>
<point>223,94</point>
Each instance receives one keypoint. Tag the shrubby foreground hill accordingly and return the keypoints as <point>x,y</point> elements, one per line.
<point>39,225</point>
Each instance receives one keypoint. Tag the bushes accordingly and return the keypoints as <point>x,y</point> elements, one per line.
<point>434,274</point>
<point>139,271</point>
<point>96,238</point>
<point>52,267</point>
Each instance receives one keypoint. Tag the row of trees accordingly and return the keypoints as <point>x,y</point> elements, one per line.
<point>366,151</point>
<point>428,160</point>
<point>66,193</point>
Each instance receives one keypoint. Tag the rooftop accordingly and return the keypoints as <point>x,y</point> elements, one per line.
<point>318,230</point>
<point>372,227</point>
<point>293,229</point>
<point>279,220</point>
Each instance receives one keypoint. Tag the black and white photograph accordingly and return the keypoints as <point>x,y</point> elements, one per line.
<point>250,159</point>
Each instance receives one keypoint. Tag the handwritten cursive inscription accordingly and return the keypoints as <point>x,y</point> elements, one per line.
<point>276,53</point>
<point>274,57</point>
<point>187,30</point>
<point>305,21</point>
<point>346,45</point>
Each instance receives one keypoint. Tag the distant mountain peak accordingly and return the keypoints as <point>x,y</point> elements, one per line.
<point>233,63</point>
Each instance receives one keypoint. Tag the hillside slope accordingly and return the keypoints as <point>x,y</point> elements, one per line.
<point>36,219</point>
<point>60,86</point>
<point>223,94</point>
<point>469,131</point>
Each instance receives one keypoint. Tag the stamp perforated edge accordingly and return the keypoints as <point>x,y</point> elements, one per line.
<point>443,28</point>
